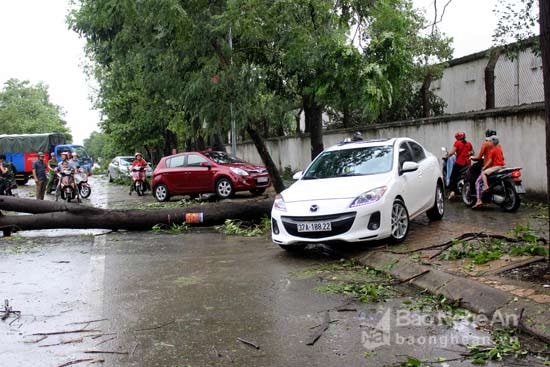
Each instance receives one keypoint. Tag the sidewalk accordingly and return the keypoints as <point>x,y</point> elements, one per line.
<point>485,295</point>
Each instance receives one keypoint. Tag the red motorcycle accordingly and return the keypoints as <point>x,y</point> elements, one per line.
<point>138,179</point>
<point>66,188</point>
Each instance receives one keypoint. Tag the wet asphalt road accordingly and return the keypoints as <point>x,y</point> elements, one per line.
<point>183,300</point>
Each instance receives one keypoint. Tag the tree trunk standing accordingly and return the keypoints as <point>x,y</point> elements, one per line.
<point>544,8</point>
<point>490,79</point>
<point>170,142</point>
<point>314,119</point>
<point>51,214</point>
<point>259,142</point>
<point>346,116</point>
<point>425,95</point>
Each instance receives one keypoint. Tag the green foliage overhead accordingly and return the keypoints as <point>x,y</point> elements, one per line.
<point>187,67</point>
<point>26,109</point>
<point>518,20</point>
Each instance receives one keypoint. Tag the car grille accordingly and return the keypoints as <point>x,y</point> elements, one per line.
<point>258,170</point>
<point>340,223</point>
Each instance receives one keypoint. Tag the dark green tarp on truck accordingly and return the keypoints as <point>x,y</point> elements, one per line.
<point>30,142</point>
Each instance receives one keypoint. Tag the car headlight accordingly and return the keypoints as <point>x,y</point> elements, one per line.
<point>279,203</point>
<point>239,171</point>
<point>369,197</point>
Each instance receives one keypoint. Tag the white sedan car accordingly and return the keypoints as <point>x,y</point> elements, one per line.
<point>119,167</point>
<point>359,191</point>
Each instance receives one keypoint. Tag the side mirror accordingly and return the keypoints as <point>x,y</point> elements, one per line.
<point>409,166</point>
<point>298,175</point>
<point>206,164</point>
<point>115,163</point>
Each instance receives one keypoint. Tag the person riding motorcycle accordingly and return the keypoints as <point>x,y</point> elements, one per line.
<point>64,166</point>
<point>139,162</point>
<point>73,162</point>
<point>7,174</point>
<point>495,161</point>
<point>52,166</point>
<point>462,149</point>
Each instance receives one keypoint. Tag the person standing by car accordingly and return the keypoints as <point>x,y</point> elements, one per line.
<point>139,162</point>
<point>462,149</point>
<point>39,175</point>
<point>52,165</point>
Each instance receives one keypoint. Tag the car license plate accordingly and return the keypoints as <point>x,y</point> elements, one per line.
<point>262,179</point>
<point>314,227</point>
<point>520,189</point>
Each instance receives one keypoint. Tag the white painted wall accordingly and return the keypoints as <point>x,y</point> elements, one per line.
<point>517,82</point>
<point>521,132</point>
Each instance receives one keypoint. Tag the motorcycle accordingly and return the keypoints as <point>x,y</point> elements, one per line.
<point>138,179</point>
<point>504,188</point>
<point>65,189</point>
<point>81,179</point>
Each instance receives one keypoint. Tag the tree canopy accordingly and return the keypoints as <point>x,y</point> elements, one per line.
<point>188,67</point>
<point>26,109</point>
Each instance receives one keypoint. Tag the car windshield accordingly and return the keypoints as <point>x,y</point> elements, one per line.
<point>222,158</point>
<point>126,161</point>
<point>351,162</point>
<point>81,151</point>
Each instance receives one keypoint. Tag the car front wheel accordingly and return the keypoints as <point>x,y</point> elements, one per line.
<point>224,188</point>
<point>399,221</point>
<point>161,193</point>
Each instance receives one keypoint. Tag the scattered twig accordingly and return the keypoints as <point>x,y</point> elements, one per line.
<point>247,342</point>
<point>76,361</point>
<point>317,334</point>
<point>157,327</point>
<point>105,341</point>
<point>331,322</point>
<point>72,341</point>
<point>86,322</point>
<point>414,276</point>
<point>8,310</point>
<point>97,360</point>
<point>68,332</point>
<point>100,335</point>
<point>104,352</point>
<point>36,340</point>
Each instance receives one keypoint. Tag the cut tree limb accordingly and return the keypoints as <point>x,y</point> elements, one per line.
<point>50,214</point>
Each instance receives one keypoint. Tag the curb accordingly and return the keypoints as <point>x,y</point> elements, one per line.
<point>472,295</point>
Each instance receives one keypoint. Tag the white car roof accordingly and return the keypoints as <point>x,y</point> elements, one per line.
<point>365,143</point>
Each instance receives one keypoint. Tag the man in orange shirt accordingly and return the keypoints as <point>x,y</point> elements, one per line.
<point>494,162</point>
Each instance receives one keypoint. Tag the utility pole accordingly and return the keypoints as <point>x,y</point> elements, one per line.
<point>233,128</point>
<point>544,19</point>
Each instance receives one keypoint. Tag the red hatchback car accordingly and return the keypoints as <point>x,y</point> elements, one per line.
<point>207,172</point>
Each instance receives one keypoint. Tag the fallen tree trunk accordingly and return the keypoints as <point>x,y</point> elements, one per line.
<point>50,215</point>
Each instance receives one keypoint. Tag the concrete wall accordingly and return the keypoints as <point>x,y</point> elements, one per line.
<point>521,130</point>
<point>517,82</point>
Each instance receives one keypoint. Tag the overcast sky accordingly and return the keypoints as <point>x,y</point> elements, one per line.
<point>36,45</point>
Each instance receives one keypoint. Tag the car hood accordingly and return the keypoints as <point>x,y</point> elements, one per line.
<point>248,167</point>
<point>333,188</point>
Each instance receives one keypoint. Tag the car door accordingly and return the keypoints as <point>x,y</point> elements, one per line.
<point>426,179</point>
<point>174,174</point>
<point>409,181</point>
<point>198,174</point>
